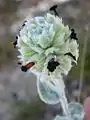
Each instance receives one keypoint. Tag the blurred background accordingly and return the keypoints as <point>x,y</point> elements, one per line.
<point>18,94</point>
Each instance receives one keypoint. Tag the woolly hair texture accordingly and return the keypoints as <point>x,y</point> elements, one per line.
<point>43,38</point>
<point>46,46</point>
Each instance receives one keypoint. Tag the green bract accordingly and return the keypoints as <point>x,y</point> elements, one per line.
<point>43,38</point>
<point>50,89</point>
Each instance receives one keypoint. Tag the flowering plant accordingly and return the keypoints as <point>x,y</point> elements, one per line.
<point>47,48</point>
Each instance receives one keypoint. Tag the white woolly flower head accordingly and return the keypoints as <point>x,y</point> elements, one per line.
<point>44,38</point>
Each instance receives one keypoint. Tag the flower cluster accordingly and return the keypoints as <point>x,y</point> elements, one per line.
<point>47,46</point>
<point>43,38</point>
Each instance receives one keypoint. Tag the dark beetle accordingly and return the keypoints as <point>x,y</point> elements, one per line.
<point>52,64</point>
<point>53,8</point>
<point>73,34</point>
<point>15,42</point>
<point>71,55</point>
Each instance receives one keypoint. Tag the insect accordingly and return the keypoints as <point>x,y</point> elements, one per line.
<point>24,23</point>
<point>53,8</point>
<point>52,64</point>
<point>15,42</point>
<point>27,66</point>
<point>19,63</point>
<point>71,55</point>
<point>73,35</point>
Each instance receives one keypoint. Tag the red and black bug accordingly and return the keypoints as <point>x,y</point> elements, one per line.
<point>27,66</point>
<point>52,64</point>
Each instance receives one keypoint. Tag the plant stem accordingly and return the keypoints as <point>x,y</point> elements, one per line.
<point>64,105</point>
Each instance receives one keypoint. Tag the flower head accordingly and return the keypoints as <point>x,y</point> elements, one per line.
<point>44,38</point>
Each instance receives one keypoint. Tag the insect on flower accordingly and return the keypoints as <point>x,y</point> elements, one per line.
<point>15,42</point>
<point>27,66</point>
<point>52,64</point>
<point>24,23</point>
<point>34,41</point>
<point>71,55</point>
<point>73,34</point>
<point>19,63</point>
<point>53,8</point>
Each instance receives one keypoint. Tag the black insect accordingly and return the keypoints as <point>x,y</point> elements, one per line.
<point>19,63</point>
<point>53,8</point>
<point>52,64</point>
<point>26,67</point>
<point>15,42</point>
<point>71,55</point>
<point>73,34</point>
<point>24,23</point>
